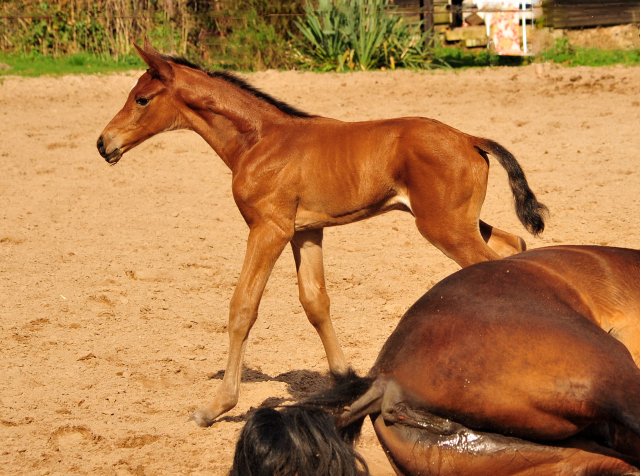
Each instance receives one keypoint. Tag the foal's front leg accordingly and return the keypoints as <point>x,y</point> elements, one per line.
<point>264,246</point>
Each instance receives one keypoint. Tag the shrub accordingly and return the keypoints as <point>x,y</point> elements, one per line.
<point>361,34</point>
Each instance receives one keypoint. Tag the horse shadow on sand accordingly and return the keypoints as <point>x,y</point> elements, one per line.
<point>300,384</point>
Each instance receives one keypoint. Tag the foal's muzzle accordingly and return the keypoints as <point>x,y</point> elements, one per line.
<point>113,156</point>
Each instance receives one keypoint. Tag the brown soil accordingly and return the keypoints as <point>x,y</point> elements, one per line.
<point>115,281</point>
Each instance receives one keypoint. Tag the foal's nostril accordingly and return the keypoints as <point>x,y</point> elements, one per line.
<point>100,144</point>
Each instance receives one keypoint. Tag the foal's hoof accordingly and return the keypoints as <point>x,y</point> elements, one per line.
<point>201,419</point>
<point>207,415</point>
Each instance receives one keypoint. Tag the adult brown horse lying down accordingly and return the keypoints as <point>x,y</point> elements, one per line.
<point>294,174</point>
<point>510,367</point>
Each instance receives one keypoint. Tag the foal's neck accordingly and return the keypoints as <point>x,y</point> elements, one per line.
<point>228,118</point>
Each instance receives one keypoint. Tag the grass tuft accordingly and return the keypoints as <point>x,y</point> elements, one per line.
<point>566,54</point>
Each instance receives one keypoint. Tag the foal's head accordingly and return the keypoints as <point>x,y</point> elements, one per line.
<point>152,107</point>
<point>172,94</point>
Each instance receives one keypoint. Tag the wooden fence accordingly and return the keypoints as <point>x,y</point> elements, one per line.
<point>590,13</point>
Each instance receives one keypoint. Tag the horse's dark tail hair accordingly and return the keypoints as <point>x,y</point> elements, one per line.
<point>347,389</point>
<point>302,439</point>
<point>529,210</point>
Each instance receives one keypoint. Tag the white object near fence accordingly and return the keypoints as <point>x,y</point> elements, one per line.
<point>506,22</point>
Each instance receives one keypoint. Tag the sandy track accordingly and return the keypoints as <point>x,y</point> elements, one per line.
<point>115,282</point>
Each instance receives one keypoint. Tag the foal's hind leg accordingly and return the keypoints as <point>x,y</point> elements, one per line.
<point>447,211</point>
<point>307,251</point>
<point>454,232</point>
<point>458,239</point>
<point>503,243</point>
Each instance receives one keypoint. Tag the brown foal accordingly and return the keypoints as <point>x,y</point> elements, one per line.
<point>294,174</point>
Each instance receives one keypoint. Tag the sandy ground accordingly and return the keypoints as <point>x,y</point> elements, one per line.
<point>115,282</point>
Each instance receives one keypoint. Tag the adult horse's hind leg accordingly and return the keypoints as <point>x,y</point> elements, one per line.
<point>307,252</point>
<point>414,451</point>
<point>503,243</point>
<point>615,436</point>
<point>626,411</point>
<point>422,443</point>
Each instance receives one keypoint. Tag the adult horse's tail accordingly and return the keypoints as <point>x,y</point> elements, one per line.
<point>529,210</point>
<point>302,439</point>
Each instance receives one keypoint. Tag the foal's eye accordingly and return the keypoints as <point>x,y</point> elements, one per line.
<point>142,101</point>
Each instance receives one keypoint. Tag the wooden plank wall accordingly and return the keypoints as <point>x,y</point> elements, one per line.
<point>441,13</point>
<point>590,13</point>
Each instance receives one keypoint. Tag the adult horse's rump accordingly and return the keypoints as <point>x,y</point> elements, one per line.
<point>294,174</point>
<point>505,367</point>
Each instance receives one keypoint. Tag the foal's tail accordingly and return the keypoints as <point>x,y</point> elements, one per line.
<point>529,210</point>
<point>303,439</point>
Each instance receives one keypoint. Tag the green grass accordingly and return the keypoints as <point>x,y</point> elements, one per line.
<point>80,63</point>
<point>568,55</point>
<point>562,53</point>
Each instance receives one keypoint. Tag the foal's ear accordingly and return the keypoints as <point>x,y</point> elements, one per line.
<point>159,68</point>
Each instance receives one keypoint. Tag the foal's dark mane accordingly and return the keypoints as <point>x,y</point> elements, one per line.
<point>242,84</point>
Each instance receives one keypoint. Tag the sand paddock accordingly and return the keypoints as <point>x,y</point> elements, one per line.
<point>115,281</point>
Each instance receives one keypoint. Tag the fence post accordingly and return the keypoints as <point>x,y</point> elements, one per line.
<point>426,16</point>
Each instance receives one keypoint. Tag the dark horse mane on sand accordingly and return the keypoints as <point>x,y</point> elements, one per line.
<point>303,439</point>
<point>242,84</point>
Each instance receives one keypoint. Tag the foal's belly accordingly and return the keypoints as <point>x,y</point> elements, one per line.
<point>314,218</point>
